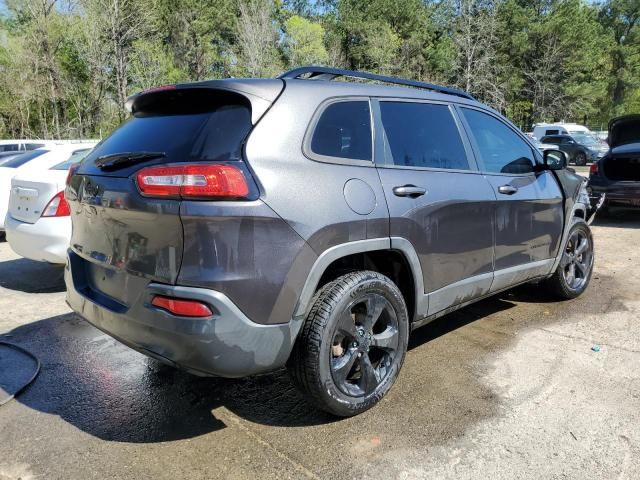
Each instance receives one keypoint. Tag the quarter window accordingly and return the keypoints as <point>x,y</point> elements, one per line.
<point>423,135</point>
<point>344,131</point>
<point>500,149</point>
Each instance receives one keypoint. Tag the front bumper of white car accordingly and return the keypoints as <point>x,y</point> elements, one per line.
<point>46,240</point>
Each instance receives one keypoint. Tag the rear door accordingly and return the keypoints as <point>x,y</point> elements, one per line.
<point>121,239</point>
<point>436,197</point>
<point>529,213</point>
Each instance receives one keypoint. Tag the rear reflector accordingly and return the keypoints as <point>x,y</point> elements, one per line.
<point>182,308</point>
<point>57,207</point>
<point>193,181</point>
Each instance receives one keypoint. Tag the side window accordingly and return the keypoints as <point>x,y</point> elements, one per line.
<point>423,135</point>
<point>501,149</point>
<point>344,131</point>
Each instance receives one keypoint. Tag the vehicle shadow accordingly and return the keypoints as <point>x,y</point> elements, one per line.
<point>31,277</point>
<point>619,217</point>
<point>116,394</point>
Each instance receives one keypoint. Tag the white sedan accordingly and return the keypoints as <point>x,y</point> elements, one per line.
<point>38,225</point>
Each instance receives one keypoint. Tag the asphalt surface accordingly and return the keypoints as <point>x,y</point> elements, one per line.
<point>510,387</point>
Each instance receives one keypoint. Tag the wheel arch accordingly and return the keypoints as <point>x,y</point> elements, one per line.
<point>394,257</point>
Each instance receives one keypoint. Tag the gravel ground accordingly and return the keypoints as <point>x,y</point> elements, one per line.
<point>507,388</point>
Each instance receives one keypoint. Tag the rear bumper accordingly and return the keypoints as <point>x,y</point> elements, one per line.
<point>616,194</point>
<point>46,240</point>
<point>227,344</point>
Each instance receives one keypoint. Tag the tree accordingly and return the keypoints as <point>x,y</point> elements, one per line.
<point>305,42</point>
<point>257,39</point>
<point>622,20</point>
<point>476,40</point>
<point>119,23</point>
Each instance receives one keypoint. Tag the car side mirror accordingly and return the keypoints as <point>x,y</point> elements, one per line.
<point>555,159</point>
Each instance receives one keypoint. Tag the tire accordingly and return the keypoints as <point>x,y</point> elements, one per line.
<point>562,284</point>
<point>352,344</point>
<point>581,159</point>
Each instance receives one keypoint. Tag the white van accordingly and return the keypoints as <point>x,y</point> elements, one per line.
<point>543,129</point>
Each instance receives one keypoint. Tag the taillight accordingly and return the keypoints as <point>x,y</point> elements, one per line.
<point>182,308</point>
<point>594,169</point>
<point>57,207</point>
<point>72,171</point>
<point>193,181</point>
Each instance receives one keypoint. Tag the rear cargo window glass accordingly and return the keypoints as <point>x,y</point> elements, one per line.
<point>344,131</point>
<point>185,126</point>
<point>423,135</point>
<point>24,158</point>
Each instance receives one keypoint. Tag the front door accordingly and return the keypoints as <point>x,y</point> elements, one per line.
<point>437,199</point>
<point>529,208</point>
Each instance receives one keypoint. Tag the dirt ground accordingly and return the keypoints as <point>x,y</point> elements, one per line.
<point>508,388</point>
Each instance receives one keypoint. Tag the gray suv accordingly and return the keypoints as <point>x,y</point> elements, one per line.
<point>234,227</point>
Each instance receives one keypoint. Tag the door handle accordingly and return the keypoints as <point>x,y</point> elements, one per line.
<point>409,191</point>
<point>507,189</point>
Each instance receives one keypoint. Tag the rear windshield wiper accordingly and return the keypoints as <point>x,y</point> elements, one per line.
<point>113,161</point>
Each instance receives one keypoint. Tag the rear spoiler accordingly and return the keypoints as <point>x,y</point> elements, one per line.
<point>261,93</point>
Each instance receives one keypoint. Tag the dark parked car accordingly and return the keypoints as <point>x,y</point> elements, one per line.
<point>581,148</point>
<point>234,227</point>
<point>617,174</point>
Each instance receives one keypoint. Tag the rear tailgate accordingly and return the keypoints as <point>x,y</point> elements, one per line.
<point>122,239</point>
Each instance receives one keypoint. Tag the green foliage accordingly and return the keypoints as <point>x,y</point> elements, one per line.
<point>305,42</point>
<point>67,67</point>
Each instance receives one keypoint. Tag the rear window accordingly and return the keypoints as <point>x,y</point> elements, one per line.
<point>33,146</point>
<point>187,125</point>
<point>9,147</point>
<point>20,160</point>
<point>344,131</point>
<point>75,157</point>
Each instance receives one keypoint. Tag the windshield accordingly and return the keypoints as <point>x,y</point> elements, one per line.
<point>75,157</point>
<point>5,158</point>
<point>20,160</point>
<point>586,140</point>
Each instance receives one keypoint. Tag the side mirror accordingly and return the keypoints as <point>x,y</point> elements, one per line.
<point>555,159</point>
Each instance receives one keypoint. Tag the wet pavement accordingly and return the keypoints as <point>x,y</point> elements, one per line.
<point>507,388</point>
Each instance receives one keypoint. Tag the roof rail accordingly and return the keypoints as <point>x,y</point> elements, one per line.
<point>327,73</point>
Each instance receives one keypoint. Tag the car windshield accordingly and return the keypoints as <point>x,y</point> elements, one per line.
<point>585,140</point>
<point>5,158</point>
<point>20,160</point>
<point>75,157</point>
